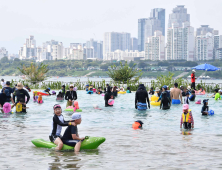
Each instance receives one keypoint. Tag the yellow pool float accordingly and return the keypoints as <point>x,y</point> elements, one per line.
<point>122,92</point>
<point>153,103</point>
<point>154,98</point>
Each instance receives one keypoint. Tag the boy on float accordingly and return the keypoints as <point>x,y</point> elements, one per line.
<point>186,118</point>
<point>71,135</point>
<point>57,123</point>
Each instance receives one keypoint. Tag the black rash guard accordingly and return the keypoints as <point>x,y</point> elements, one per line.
<point>21,94</point>
<point>142,95</point>
<point>107,97</point>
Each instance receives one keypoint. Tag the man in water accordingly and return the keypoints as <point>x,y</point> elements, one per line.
<point>193,80</point>
<point>175,94</point>
<point>10,91</point>
<point>141,98</point>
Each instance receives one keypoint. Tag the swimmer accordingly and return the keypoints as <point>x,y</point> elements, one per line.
<point>70,96</point>
<point>142,98</point>
<point>60,96</point>
<point>115,92</point>
<point>57,123</point>
<point>90,91</point>
<point>175,94</point>
<point>35,96</point>
<point>40,101</point>
<point>63,90</point>
<point>186,118</point>
<point>128,90</point>
<point>47,91</point>
<point>217,95</point>
<point>71,135</point>
<point>137,125</point>
<point>165,101</point>
<point>205,107</point>
<point>95,106</point>
<point>87,87</point>
<point>192,97</point>
<point>99,91</point>
<point>151,92</point>
<point>186,99</point>
<point>121,89</point>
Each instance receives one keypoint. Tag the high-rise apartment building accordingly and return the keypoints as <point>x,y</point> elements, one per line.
<point>204,29</point>
<point>179,16</point>
<point>57,51</point>
<point>159,13</point>
<point>204,46</point>
<point>93,49</point>
<point>115,41</point>
<point>217,45</point>
<point>180,42</point>
<point>155,47</point>
<point>152,25</point>
<point>28,51</point>
<point>141,33</point>
<point>3,52</point>
<point>134,44</point>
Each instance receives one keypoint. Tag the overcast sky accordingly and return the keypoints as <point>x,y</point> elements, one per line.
<point>72,21</point>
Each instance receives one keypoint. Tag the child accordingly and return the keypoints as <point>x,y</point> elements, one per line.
<point>192,97</point>
<point>47,91</point>
<point>35,97</point>
<point>71,136</point>
<point>53,93</point>
<point>151,92</point>
<point>20,106</point>
<point>63,90</point>
<point>165,102</point>
<point>137,124</point>
<point>157,92</point>
<point>217,95</point>
<point>128,90</point>
<point>90,91</point>
<point>186,99</point>
<point>87,87</point>
<point>122,89</point>
<point>57,123</point>
<point>40,101</point>
<point>7,108</point>
<point>186,118</point>
<point>115,92</point>
<point>205,107</point>
<point>99,91</point>
<point>60,96</point>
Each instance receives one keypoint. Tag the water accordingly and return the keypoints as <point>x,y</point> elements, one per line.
<point>159,145</point>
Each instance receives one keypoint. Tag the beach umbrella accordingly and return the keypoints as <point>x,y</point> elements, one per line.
<point>206,67</point>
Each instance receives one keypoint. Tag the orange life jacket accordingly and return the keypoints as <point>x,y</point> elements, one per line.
<point>136,125</point>
<point>187,117</point>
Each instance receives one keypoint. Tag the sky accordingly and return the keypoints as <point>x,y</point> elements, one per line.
<point>72,21</point>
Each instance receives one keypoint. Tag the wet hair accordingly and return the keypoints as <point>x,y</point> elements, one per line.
<point>192,91</point>
<point>176,84</point>
<point>107,84</point>
<point>216,90</point>
<point>91,89</point>
<point>128,88</point>
<point>151,88</point>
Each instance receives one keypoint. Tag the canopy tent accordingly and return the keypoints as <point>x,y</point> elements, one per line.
<point>206,67</point>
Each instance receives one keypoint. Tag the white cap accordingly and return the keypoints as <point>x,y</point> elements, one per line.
<point>193,71</point>
<point>76,116</point>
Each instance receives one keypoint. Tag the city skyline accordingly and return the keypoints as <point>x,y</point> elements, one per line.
<point>46,25</point>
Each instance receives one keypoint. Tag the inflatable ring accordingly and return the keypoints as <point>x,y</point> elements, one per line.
<point>42,93</point>
<point>200,93</point>
<point>72,110</point>
<point>122,92</point>
<point>154,98</point>
<point>153,103</point>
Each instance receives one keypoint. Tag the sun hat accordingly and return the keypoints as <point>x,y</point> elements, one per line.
<point>157,89</point>
<point>185,107</point>
<point>193,71</point>
<point>76,116</point>
<point>53,92</point>
<point>7,108</point>
<point>19,86</point>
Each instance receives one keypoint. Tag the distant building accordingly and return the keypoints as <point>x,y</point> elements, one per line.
<point>217,46</point>
<point>204,29</point>
<point>141,33</point>
<point>77,53</point>
<point>159,13</point>
<point>57,51</point>
<point>115,41</point>
<point>152,25</point>
<point>28,51</point>
<point>155,47</point>
<point>125,55</point>
<point>204,47</point>
<point>180,42</point>
<point>3,52</point>
<point>179,16</point>
<point>134,44</point>
<point>93,49</point>
<point>219,53</point>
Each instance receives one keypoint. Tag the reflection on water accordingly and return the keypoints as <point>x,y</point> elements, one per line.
<point>161,144</point>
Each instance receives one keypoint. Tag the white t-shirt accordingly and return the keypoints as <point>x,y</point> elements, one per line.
<point>3,84</point>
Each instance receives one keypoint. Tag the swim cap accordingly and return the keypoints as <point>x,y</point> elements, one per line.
<point>49,88</point>
<point>76,116</point>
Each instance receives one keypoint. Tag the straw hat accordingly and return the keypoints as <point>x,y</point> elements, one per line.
<point>19,86</point>
<point>157,89</point>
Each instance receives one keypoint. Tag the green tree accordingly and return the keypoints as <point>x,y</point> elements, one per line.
<point>124,73</point>
<point>142,65</point>
<point>104,67</point>
<point>34,73</point>
<point>131,63</point>
<point>4,60</point>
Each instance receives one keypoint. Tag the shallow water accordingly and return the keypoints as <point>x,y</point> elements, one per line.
<point>159,145</point>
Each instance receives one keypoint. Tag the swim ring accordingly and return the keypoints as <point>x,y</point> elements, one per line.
<point>154,98</point>
<point>42,93</point>
<point>71,109</point>
<point>153,103</point>
<point>122,92</point>
<point>199,93</point>
<point>110,102</point>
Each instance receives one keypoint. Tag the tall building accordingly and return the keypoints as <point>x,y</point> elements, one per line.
<point>155,47</point>
<point>3,52</point>
<point>179,16</point>
<point>204,29</point>
<point>204,47</point>
<point>152,25</point>
<point>217,45</point>
<point>125,55</point>
<point>141,33</point>
<point>93,49</point>
<point>28,51</point>
<point>57,51</point>
<point>180,42</point>
<point>134,44</point>
<point>115,41</point>
<point>159,13</point>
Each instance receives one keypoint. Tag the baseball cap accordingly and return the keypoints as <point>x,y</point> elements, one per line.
<point>185,106</point>
<point>140,122</point>
<point>165,87</point>
<point>7,92</point>
<point>76,116</point>
<point>7,82</point>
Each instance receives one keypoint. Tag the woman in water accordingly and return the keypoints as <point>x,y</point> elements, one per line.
<point>57,123</point>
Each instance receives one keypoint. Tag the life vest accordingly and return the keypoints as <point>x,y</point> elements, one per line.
<point>18,107</point>
<point>136,125</point>
<point>187,117</point>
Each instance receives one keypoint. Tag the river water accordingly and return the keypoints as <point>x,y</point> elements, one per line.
<point>159,145</point>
